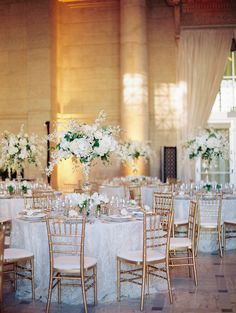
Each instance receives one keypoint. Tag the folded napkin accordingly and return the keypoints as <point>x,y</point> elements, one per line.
<point>124,212</point>
<point>73,213</point>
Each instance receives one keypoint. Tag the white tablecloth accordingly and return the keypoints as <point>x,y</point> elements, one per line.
<point>103,241</point>
<point>11,207</point>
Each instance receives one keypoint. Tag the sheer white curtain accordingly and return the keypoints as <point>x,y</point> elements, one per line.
<point>201,63</point>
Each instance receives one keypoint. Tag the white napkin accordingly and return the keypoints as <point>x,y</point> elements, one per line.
<point>124,212</point>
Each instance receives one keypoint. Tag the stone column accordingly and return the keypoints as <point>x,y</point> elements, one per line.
<point>134,68</point>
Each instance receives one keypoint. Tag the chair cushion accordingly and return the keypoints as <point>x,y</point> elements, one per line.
<point>208,225</point>
<point>180,242</point>
<point>72,262</point>
<point>14,254</point>
<point>231,221</point>
<point>137,256</point>
<point>7,241</point>
<point>180,221</point>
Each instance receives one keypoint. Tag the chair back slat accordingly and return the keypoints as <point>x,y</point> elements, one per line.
<point>162,202</point>
<point>156,231</point>
<point>192,218</point>
<point>209,208</point>
<point>65,236</point>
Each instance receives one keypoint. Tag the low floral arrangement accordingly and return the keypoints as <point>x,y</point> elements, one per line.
<point>24,186</point>
<point>209,187</point>
<point>85,202</point>
<point>83,143</point>
<point>131,151</point>
<point>209,145</point>
<point>11,188</point>
<point>17,150</point>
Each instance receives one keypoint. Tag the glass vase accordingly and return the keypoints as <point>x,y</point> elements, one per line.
<point>18,175</point>
<point>206,167</point>
<point>86,185</point>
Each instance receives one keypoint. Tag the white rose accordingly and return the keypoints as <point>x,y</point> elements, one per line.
<point>13,150</point>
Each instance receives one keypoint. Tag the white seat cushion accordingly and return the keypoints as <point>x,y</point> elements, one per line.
<point>179,221</point>
<point>14,254</point>
<point>72,262</point>
<point>137,256</point>
<point>231,221</point>
<point>5,220</point>
<point>7,241</point>
<point>208,225</point>
<point>180,242</point>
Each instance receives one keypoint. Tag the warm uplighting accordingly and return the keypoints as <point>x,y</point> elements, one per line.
<point>135,89</point>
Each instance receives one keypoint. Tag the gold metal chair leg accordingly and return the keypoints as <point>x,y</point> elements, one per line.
<point>143,288</point>
<point>197,240</point>
<point>194,267</point>
<point>168,282</point>
<point>95,285</point>
<point>220,242</point>
<point>49,293</point>
<point>147,280</point>
<point>84,295</point>
<point>59,289</point>
<point>118,279</point>
<point>32,278</point>
<point>189,265</point>
<point>224,236</point>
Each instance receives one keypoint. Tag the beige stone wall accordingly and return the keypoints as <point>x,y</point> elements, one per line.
<point>88,78</point>
<point>64,59</point>
<point>25,67</point>
<point>162,79</point>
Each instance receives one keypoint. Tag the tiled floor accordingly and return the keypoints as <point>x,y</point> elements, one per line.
<point>215,293</point>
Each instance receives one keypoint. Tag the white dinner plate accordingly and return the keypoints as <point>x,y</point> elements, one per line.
<point>35,217</point>
<point>120,218</point>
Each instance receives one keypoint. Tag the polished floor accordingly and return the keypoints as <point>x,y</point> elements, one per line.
<point>216,292</point>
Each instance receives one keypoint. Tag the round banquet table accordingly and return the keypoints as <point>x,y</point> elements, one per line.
<point>102,241</point>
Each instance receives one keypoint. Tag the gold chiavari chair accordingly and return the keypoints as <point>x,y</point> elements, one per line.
<point>6,223</point>
<point>43,199</point>
<point>20,263</point>
<point>2,240</point>
<point>66,238</point>
<point>162,201</point>
<point>229,230</point>
<point>209,216</point>
<point>185,245</point>
<point>135,193</point>
<point>152,260</point>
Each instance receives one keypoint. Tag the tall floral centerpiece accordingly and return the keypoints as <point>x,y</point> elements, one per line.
<point>83,143</point>
<point>209,145</point>
<point>17,150</point>
<point>131,151</point>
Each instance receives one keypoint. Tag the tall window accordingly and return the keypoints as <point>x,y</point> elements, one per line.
<point>225,102</point>
<point>226,97</point>
<point>219,170</point>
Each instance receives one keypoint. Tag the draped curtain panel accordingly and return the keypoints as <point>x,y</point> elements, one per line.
<point>201,62</point>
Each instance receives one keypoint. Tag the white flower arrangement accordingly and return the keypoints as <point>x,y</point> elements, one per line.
<point>83,143</point>
<point>17,150</point>
<point>131,151</point>
<point>85,201</point>
<point>209,145</point>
